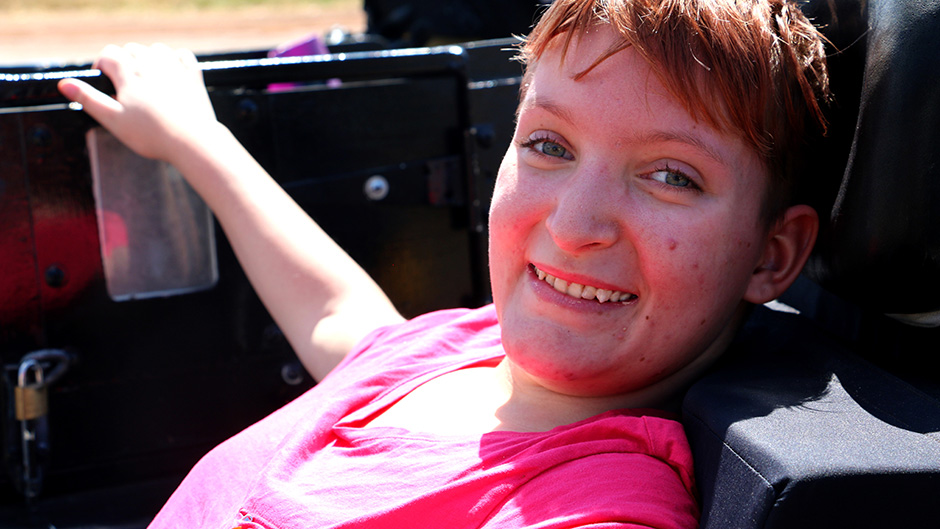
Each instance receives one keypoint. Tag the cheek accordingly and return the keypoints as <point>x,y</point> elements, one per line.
<point>715,262</point>
<point>505,202</point>
<point>507,222</point>
<point>501,201</point>
<point>505,178</point>
<point>520,202</point>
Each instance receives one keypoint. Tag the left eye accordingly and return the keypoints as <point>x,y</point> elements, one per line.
<point>672,178</point>
<point>550,148</point>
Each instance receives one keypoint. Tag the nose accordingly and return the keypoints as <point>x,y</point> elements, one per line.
<point>585,212</point>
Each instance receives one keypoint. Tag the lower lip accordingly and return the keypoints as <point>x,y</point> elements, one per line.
<point>547,294</point>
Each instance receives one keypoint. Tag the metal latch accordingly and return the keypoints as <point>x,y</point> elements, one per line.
<point>35,372</point>
<point>31,402</point>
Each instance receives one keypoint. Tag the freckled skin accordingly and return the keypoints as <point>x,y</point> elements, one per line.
<point>603,213</point>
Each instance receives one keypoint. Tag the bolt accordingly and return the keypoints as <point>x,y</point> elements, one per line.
<point>247,110</point>
<point>376,187</point>
<point>40,136</point>
<point>292,374</point>
<point>55,276</point>
<point>484,135</point>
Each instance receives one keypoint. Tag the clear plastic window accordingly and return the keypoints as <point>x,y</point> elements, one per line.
<point>157,236</point>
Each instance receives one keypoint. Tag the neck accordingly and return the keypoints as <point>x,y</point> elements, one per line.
<point>530,406</point>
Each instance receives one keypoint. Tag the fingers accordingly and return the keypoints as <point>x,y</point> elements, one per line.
<point>188,58</point>
<point>159,97</point>
<point>98,105</point>
<point>125,63</point>
<point>112,62</point>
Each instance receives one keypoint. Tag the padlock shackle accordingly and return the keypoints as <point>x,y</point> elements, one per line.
<point>58,358</point>
<point>25,366</point>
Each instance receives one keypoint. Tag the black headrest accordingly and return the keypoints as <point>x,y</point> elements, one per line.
<point>880,248</point>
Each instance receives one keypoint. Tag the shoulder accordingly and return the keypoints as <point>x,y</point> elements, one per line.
<point>430,336</point>
<point>649,436</point>
<point>623,467</point>
<point>459,323</point>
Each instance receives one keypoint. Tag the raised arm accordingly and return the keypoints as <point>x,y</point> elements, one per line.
<point>322,300</point>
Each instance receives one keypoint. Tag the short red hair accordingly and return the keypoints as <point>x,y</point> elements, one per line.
<point>755,68</point>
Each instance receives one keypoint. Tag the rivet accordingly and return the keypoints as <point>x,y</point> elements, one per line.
<point>484,135</point>
<point>40,136</point>
<point>376,187</point>
<point>55,276</point>
<point>292,374</point>
<point>247,110</point>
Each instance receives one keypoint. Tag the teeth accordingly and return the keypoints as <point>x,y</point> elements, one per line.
<point>577,290</point>
<point>574,290</point>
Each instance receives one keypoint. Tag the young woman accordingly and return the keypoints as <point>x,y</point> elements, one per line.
<point>644,204</point>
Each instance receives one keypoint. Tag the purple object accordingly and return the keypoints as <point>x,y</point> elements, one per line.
<point>311,45</point>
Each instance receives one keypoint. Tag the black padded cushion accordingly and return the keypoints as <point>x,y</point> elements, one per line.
<point>794,431</point>
<point>881,249</point>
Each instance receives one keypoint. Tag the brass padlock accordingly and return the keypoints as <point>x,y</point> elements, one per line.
<point>32,402</point>
<point>31,399</point>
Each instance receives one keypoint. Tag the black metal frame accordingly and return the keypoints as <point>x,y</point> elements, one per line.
<point>153,384</point>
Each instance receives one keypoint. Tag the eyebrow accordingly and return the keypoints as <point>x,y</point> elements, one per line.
<point>656,136</point>
<point>682,136</point>
<point>552,108</point>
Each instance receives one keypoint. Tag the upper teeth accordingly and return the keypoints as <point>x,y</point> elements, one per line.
<point>578,290</point>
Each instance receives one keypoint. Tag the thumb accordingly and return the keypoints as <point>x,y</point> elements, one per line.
<point>103,108</point>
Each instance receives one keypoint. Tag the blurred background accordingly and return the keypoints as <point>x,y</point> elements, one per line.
<point>74,31</point>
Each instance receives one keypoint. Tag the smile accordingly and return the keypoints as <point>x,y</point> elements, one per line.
<point>577,290</point>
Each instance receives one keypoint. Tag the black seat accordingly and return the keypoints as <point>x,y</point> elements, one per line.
<point>831,417</point>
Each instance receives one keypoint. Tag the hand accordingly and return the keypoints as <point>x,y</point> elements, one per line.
<point>161,102</point>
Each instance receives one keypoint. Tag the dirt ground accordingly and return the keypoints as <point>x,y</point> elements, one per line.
<point>74,38</point>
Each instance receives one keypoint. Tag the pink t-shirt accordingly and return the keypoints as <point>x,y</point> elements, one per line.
<point>313,464</point>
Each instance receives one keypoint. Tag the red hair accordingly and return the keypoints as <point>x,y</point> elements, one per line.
<point>755,68</point>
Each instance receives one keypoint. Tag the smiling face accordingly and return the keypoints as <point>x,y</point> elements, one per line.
<point>624,235</point>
